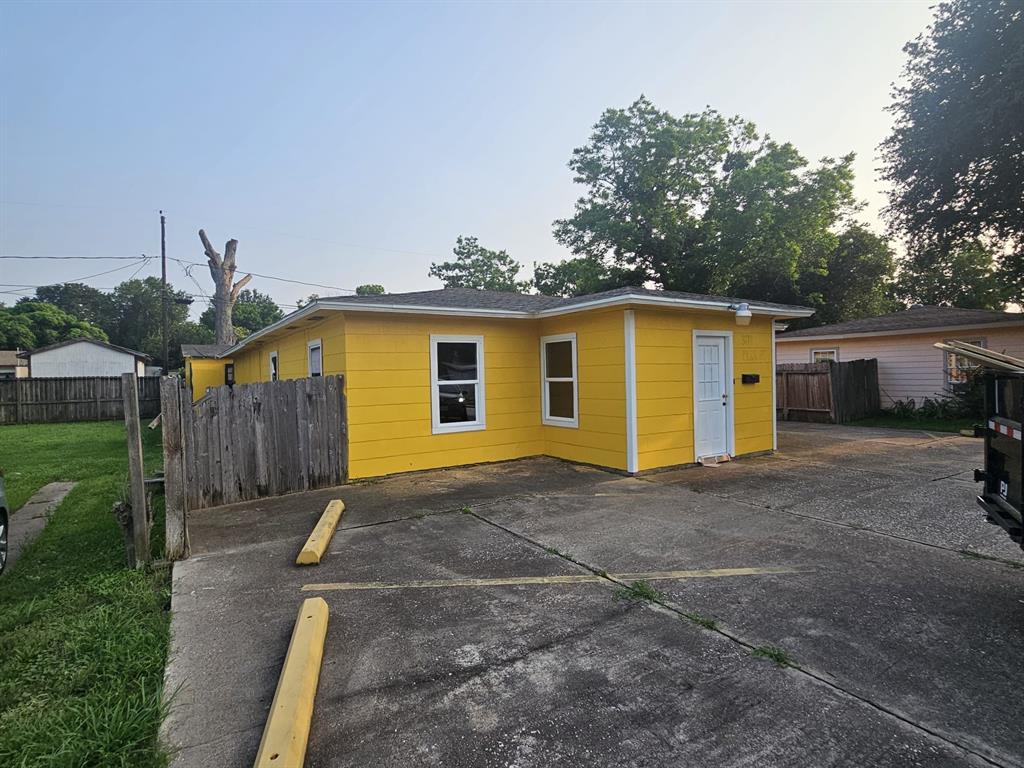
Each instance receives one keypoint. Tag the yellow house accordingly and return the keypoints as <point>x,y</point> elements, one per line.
<point>632,379</point>
<point>204,367</point>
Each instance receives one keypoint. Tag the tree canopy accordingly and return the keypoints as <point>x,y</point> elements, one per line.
<point>370,289</point>
<point>252,311</point>
<point>963,275</point>
<point>478,267</point>
<point>33,324</point>
<point>955,158</point>
<point>705,203</point>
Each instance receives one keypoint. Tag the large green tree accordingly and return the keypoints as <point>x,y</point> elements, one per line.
<point>78,299</point>
<point>34,324</point>
<point>252,311</point>
<point>705,203</point>
<point>960,276</point>
<point>849,278</point>
<point>136,318</point>
<point>369,289</point>
<point>955,158</point>
<point>478,267</point>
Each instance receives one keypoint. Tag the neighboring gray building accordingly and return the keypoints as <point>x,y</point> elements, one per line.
<point>84,357</point>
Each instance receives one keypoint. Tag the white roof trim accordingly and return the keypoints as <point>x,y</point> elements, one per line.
<point>901,332</point>
<point>607,301</point>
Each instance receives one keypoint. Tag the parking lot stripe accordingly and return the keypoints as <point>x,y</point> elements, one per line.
<point>286,733</point>
<point>318,540</point>
<point>588,578</point>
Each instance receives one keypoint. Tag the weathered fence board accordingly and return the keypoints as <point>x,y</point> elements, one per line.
<point>253,440</point>
<point>86,398</point>
<point>827,391</point>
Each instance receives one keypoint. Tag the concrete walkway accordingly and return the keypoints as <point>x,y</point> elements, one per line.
<point>27,522</point>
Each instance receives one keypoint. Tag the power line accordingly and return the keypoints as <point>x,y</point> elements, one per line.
<point>68,258</point>
<point>270,277</point>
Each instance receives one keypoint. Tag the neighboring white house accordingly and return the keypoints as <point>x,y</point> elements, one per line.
<point>909,366</point>
<point>84,357</point>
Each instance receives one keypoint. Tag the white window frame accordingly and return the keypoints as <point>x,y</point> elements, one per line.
<point>546,417</point>
<point>978,341</point>
<point>310,346</point>
<point>435,401</point>
<point>833,350</point>
<point>274,361</point>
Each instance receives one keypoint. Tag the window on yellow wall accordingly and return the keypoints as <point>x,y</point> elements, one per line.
<point>316,358</point>
<point>273,366</point>
<point>560,380</point>
<point>457,383</point>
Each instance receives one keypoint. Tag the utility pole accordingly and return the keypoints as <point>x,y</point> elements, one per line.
<point>163,283</point>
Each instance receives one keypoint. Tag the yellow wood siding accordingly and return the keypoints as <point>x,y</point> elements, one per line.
<point>253,363</point>
<point>201,373</point>
<point>388,383</point>
<point>601,352</point>
<point>386,361</point>
<point>664,372</point>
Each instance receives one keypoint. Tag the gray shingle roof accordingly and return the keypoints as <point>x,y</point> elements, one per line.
<point>203,350</point>
<point>915,318</point>
<point>471,298</point>
<point>67,342</point>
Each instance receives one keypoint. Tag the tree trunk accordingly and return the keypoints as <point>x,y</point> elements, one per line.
<point>225,290</point>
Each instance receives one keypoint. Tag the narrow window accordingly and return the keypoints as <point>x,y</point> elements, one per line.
<point>824,355</point>
<point>316,358</point>
<point>229,374</point>
<point>457,383</point>
<point>273,366</point>
<point>959,368</point>
<point>558,372</point>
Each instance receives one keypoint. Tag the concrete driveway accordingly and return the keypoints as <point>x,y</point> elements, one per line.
<point>857,555</point>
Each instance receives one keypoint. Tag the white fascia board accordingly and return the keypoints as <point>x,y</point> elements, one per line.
<point>669,301</point>
<point>941,329</point>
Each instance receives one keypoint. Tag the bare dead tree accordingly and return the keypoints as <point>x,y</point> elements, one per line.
<point>226,290</point>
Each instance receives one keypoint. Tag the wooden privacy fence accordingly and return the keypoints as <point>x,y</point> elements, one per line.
<point>249,441</point>
<point>828,391</point>
<point>86,398</point>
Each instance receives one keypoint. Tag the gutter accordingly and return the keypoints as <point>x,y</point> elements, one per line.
<point>902,332</point>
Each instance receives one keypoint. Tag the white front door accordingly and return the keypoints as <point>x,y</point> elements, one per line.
<point>711,394</point>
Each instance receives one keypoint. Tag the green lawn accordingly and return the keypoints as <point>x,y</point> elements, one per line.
<point>928,425</point>
<point>83,640</point>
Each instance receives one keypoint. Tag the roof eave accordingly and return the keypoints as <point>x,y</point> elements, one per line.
<point>900,331</point>
<point>512,314</point>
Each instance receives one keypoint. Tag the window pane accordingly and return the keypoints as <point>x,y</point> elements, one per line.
<point>315,364</point>
<point>456,361</point>
<point>559,359</point>
<point>823,355</point>
<point>560,400</point>
<point>457,403</point>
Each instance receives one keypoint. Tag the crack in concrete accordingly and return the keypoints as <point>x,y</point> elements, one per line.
<point>819,677</point>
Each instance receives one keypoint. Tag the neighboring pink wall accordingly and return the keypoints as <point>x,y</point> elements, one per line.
<point>908,365</point>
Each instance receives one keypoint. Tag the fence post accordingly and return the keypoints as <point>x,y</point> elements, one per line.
<point>176,545</point>
<point>136,474</point>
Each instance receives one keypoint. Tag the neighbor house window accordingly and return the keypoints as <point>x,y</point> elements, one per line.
<point>824,355</point>
<point>316,358</point>
<point>558,373</point>
<point>229,373</point>
<point>273,366</point>
<point>457,383</point>
<point>958,367</point>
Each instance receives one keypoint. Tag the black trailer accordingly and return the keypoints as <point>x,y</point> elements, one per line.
<point>1002,477</point>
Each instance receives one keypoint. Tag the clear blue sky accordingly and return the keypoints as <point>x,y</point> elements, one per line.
<point>345,144</point>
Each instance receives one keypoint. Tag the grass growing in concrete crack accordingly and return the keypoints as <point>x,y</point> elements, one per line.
<point>702,621</point>
<point>773,653</point>
<point>638,591</point>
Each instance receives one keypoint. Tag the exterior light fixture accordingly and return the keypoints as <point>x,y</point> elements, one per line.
<point>743,314</point>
